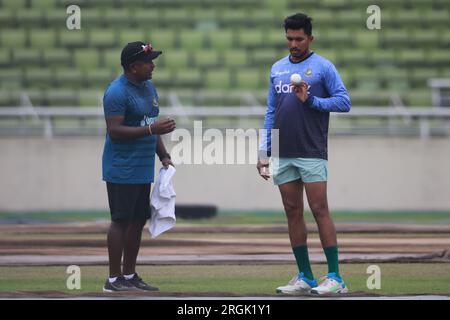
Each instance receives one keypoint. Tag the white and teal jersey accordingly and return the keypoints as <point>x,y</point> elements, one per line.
<point>303,127</point>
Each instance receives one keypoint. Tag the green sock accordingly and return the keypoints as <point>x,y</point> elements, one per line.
<point>332,259</point>
<point>302,258</point>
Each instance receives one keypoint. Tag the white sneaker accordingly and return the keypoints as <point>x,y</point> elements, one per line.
<point>298,284</point>
<point>330,284</point>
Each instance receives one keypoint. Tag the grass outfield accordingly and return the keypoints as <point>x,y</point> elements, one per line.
<point>396,279</point>
<point>241,217</point>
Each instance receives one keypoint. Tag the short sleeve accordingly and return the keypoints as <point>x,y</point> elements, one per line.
<point>114,102</point>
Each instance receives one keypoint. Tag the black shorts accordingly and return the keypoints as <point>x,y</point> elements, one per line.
<point>129,201</point>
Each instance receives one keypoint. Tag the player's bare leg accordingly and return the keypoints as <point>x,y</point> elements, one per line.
<point>132,244</point>
<point>316,192</point>
<point>292,197</point>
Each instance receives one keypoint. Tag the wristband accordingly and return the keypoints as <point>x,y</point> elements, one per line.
<point>150,129</point>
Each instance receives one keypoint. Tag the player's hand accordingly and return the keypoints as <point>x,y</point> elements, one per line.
<point>166,162</point>
<point>163,126</point>
<point>263,169</point>
<point>301,91</point>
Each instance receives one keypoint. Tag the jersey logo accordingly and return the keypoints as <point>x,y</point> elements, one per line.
<point>155,103</point>
<point>308,73</point>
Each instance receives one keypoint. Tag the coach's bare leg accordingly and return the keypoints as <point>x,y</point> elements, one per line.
<point>132,244</point>
<point>116,237</point>
<point>292,196</point>
<point>316,193</point>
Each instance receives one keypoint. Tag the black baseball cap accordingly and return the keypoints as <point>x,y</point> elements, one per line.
<point>138,51</point>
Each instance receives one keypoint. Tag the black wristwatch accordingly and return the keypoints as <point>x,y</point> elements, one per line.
<point>164,156</point>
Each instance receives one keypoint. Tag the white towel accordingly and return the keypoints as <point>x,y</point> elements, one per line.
<point>162,203</point>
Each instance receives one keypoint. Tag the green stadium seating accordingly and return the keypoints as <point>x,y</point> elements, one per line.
<point>30,18</point>
<point>5,58</point>
<point>13,4</point>
<point>130,35</point>
<point>27,57</point>
<point>102,38</point>
<point>235,58</point>
<point>57,58</point>
<point>219,45</point>
<point>163,39</point>
<point>13,38</point>
<point>206,58</point>
<point>176,60</point>
<point>249,79</point>
<point>43,4</point>
<point>218,79</point>
<point>251,39</point>
<point>56,98</point>
<point>111,58</point>
<point>221,39</point>
<point>42,78</point>
<point>69,78</point>
<point>192,39</point>
<point>188,78</point>
<point>86,59</point>
<point>98,78</point>
<point>73,38</point>
<point>42,38</point>
<point>90,98</point>
<point>11,79</point>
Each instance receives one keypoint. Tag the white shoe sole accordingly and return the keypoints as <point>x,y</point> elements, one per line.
<point>343,290</point>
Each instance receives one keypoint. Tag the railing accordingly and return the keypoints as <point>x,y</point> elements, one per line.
<point>54,121</point>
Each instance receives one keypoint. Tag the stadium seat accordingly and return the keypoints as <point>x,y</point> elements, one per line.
<point>251,39</point>
<point>42,78</point>
<point>58,98</point>
<point>5,58</point>
<point>11,79</point>
<point>188,78</point>
<point>218,79</point>
<point>43,4</point>
<point>163,78</point>
<point>26,57</point>
<point>111,58</point>
<point>69,78</point>
<point>30,18</point>
<point>72,38</point>
<point>57,58</point>
<point>264,58</point>
<point>163,39</point>
<point>206,58</point>
<point>235,58</point>
<point>130,35</point>
<point>102,38</point>
<point>192,40</point>
<point>7,18</point>
<point>86,59</point>
<point>13,38</point>
<point>249,79</point>
<point>13,4</point>
<point>42,38</point>
<point>98,78</point>
<point>221,39</point>
<point>117,18</point>
<point>176,60</point>
<point>90,98</point>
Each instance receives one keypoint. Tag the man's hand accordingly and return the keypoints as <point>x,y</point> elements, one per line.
<point>301,91</point>
<point>263,169</point>
<point>163,126</point>
<point>166,162</point>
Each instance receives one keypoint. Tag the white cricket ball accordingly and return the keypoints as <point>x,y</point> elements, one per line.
<point>296,79</point>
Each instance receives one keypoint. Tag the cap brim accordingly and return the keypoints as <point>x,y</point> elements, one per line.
<point>152,55</point>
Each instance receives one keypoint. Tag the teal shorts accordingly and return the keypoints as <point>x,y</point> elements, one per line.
<point>305,169</point>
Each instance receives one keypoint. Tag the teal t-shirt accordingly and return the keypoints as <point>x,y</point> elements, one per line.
<point>131,161</point>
